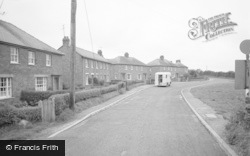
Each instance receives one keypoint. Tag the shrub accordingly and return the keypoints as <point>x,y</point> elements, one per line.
<point>109,89</point>
<point>11,115</point>
<point>8,114</point>
<point>32,97</point>
<point>32,114</point>
<point>86,94</point>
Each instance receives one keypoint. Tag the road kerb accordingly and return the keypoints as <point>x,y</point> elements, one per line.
<point>221,142</point>
<point>95,112</point>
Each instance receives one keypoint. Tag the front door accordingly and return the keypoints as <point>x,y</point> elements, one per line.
<point>55,82</point>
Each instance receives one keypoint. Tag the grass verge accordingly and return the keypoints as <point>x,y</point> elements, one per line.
<point>229,103</point>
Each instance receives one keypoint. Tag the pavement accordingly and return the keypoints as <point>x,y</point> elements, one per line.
<point>214,123</point>
<point>147,120</point>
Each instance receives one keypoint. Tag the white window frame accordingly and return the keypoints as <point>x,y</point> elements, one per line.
<point>87,79</point>
<point>129,76</point>
<point>126,67</point>
<point>92,63</point>
<point>48,60</point>
<point>100,65</point>
<point>96,64</point>
<point>41,84</point>
<point>5,87</point>
<point>31,58</point>
<point>150,69</point>
<point>139,76</point>
<point>115,76</point>
<point>14,55</point>
<point>86,63</point>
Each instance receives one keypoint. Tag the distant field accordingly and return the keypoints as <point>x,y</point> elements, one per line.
<point>222,97</point>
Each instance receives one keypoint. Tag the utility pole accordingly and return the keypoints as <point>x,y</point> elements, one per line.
<point>73,49</point>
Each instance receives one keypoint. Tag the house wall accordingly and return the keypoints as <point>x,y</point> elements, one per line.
<point>119,69</point>
<point>23,75</point>
<point>81,70</point>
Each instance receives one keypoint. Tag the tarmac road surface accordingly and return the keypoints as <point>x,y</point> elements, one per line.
<point>153,122</point>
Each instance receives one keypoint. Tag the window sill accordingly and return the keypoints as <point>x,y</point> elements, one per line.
<point>6,98</point>
<point>14,63</point>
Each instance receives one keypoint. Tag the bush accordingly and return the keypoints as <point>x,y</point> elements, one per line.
<point>11,115</point>
<point>8,114</point>
<point>32,97</point>
<point>109,89</point>
<point>238,132</point>
<point>32,114</point>
<point>86,94</point>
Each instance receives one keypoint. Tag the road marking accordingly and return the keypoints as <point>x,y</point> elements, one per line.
<point>221,142</point>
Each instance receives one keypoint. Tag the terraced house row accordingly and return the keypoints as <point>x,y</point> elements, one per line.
<point>27,63</point>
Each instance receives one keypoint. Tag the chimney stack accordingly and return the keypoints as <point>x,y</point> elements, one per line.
<point>100,53</point>
<point>162,57</point>
<point>178,61</point>
<point>126,55</point>
<point>66,41</point>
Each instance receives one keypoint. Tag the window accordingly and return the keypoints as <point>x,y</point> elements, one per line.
<point>87,79</point>
<point>48,60</point>
<point>136,67</point>
<point>141,68</point>
<point>100,65</point>
<point>128,76</point>
<point>139,77</point>
<point>5,87</point>
<point>41,84</point>
<point>86,63</point>
<point>96,65</point>
<point>115,76</point>
<point>126,67</point>
<point>92,63</point>
<point>164,68</point>
<point>131,68</point>
<point>14,58</point>
<point>107,66</point>
<point>31,58</point>
<point>149,69</point>
<point>104,65</point>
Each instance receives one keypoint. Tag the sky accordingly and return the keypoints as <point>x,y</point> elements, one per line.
<point>146,29</point>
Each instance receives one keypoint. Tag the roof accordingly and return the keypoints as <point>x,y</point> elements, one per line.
<point>13,35</point>
<point>178,64</point>
<point>160,62</point>
<point>91,55</point>
<point>126,61</point>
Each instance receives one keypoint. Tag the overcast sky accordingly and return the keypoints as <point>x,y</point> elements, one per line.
<point>145,29</point>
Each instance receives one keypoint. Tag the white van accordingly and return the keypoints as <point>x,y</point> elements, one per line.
<point>163,79</point>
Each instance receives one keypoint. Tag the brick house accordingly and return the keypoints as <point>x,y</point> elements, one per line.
<point>128,68</point>
<point>26,63</point>
<point>87,65</point>
<point>163,65</point>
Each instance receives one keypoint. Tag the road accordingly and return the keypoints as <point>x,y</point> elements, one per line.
<point>153,122</point>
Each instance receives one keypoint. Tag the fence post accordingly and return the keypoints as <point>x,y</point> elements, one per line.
<point>48,110</point>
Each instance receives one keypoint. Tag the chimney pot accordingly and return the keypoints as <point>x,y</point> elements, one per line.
<point>126,55</point>
<point>100,53</point>
<point>162,57</point>
<point>178,61</point>
<point>66,41</point>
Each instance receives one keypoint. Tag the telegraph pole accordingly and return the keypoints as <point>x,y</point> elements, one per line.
<point>73,49</point>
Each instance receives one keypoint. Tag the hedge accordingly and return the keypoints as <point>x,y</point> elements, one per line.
<point>11,115</point>
<point>32,97</point>
<point>62,100</point>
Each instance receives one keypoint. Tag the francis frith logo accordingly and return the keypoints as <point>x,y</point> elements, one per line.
<point>212,27</point>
